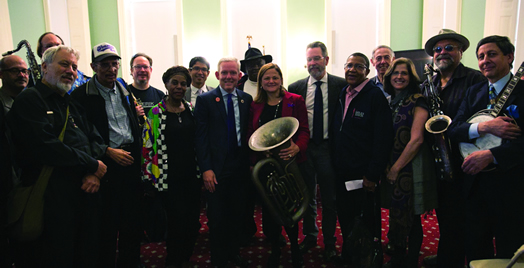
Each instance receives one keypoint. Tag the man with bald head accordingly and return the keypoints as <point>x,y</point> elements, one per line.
<point>48,40</point>
<point>14,75</point>
<point>382,57</point>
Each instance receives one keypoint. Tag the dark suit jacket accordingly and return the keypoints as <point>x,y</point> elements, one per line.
<point>293,105</point>
<point>509,155</point>
<point>211,130</point>
<point>335,84</point>
<point>94,105</point>
<point>363,141</point>
<point>187,96</point>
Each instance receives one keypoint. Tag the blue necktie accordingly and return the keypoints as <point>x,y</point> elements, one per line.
<point>231,126</point>
<point>492,97</point>
<point>318,115</point>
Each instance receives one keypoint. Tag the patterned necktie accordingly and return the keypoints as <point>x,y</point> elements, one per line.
<point>231,126</point>
<point>318,115</point>
<point>492,97</point>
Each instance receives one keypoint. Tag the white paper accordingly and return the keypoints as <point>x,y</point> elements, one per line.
<point>353,185</point>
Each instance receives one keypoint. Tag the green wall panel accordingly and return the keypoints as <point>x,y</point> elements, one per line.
<point>27,22</point>
<point>473,13</point>
<point>406,24</point>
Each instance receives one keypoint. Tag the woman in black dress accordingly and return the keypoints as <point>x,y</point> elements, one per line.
<point>169,164</point>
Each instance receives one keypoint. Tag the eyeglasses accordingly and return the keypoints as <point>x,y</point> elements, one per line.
<point>357,66</point>
<point>104,66</point>
<point>447,48</point>
<point>16,71</point>
<point>198,69</point>
<point>317,58</point>
<point>141,67</point>
<point>379,58</point>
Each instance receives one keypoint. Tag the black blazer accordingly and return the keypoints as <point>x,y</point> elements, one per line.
<point>335,85</point>
<point>509,155</point>
<point>211,130</point>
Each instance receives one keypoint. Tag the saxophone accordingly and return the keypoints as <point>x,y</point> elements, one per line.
<point>437,125</point>
<point>31,60</point>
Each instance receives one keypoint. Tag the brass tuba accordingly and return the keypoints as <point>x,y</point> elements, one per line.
<point>35,69</point>
<point>437,125</point>
<point>278,181</point>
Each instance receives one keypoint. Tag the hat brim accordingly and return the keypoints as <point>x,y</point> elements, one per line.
<point>105,56</point>
<point>435,39</point>
<point>267,58</point>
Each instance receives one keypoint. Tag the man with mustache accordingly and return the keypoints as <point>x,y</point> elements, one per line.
<point>37,118</point>
<point>48,40</point>
<point>382,56</point>
<point>199,71</point>
<point>109,106</point>
<point>14,75</point>
<point>141,68</point>
<point>320,91</point>
<point>451,81</point>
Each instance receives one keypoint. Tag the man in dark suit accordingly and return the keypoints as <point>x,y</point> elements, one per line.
<point>362,142</point>
<point>222,152</point>
<point>320,91</point>
<point>199,71</point>
<point>493,196</point>
<point>110,108</point>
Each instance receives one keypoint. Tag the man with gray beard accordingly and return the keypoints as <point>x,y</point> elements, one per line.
<point>36,120</point>
<point>450,82</point>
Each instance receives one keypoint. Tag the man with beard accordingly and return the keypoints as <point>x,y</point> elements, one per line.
<point>451,81</point>
<point>38,117</point>
<point>382,56</point>
<point>320,91</point>
<point>109,106</point>
<point>14,75</point>
<point>253,60</point>
<point>48,40</point>
<point>199,71</point>
<point>146,95</point>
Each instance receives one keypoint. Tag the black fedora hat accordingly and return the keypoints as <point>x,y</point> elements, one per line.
<point>445,34</point>
<point>253,54</point>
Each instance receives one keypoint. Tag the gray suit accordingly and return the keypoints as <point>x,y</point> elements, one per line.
<point>187,97</point>
<point>319,163</point>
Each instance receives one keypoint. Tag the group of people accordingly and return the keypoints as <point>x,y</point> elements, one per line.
<point>362,140</point>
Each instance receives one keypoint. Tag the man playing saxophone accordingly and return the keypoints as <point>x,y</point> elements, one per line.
<point>450,83</point>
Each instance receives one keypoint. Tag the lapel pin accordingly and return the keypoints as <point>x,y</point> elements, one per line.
<point>217,99</point>
<point>242,100</point>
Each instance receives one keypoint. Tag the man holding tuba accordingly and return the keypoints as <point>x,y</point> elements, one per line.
<point>493,197</point>
<point>450,83</point>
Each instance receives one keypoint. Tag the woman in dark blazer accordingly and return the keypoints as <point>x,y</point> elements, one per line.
<point>273,101</point>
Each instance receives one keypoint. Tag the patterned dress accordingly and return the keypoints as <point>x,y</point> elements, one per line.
<point>401,213</point>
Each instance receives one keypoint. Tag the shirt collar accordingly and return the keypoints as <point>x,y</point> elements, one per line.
<point>103,88</point>
<point>499,85</point>
<point>312,80</point>
<point>195,88</point>
<point>359,87</point>
<point>224,93</point>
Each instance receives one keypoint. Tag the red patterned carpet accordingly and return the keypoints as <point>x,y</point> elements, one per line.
<point>153,254</point>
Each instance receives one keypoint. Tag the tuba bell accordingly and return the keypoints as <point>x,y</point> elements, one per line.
<point>279,181</point>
